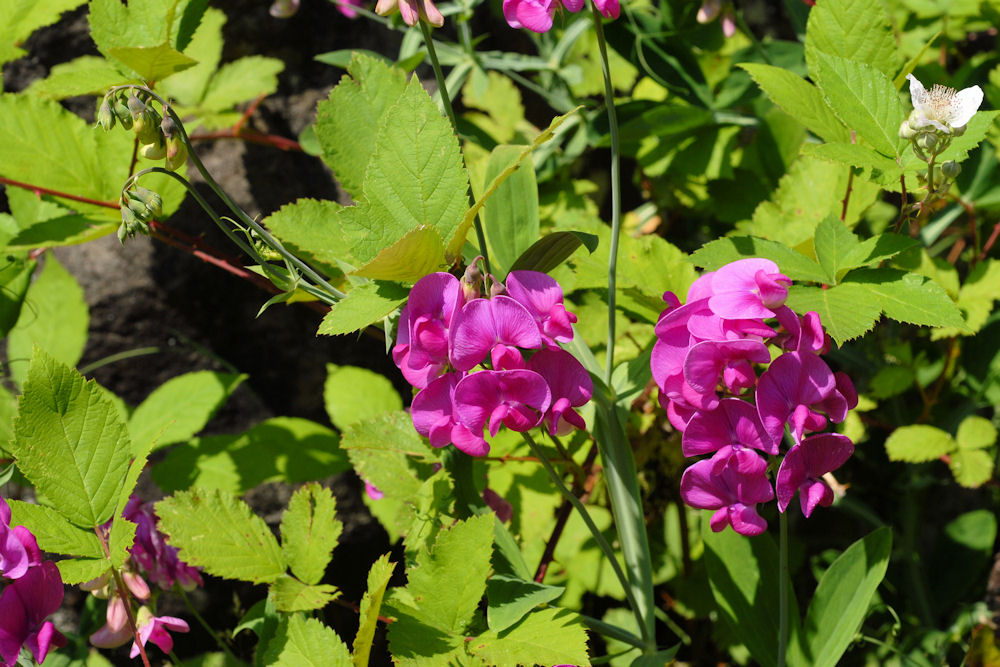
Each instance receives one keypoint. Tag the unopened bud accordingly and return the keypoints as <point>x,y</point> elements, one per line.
<point>951,169</point>
<point>153,201</point>
<point>135,107</point>
<point>167,126</point>
<point>497,288</point>
<point>129,219</point>
<point>122,233</point>
<point>147,129</point>
<point>156,150</point>
<point>906,131</point>
<point>122,113</point>
<point>176,153</point>
<point>137,207</point>
<point>928,141</point>
<point>105,117</point>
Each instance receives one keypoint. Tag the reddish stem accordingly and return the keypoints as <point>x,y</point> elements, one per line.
<point>39,190</point>
<point>251,135</point>
<point>124,594</point>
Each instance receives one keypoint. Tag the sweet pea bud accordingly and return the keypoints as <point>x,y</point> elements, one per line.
<point>135,107</point>
<point>176,153</point>
<point>122,233</point>
<point>497,288</point>
<point>148,128</point>
<point>122,113</point>
<point>167,126</point>
<point>137,207</point>
<point>129,219</point>
<point>105,117</point>
<point>153,201</point>
<point>156,150</point>
<point>951,169</point>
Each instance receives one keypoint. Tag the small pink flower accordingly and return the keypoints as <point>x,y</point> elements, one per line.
<point>412,11</point>
<point>517,399</point>
<point>154,629</point>
<point>115,631</point>
<point>543,297</point>
<point>24,605</point>
<point>494,327</point>
<point>373,491</point>
<point>733,494</point>
<point>570,386</point>
<point>435,417</point>
<point>803,468</point>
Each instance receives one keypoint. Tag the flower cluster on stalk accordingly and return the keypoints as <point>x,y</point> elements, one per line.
<point>536,15</point>
<point>447,331</point>
<point>32,591</point>
<point>151,556</point>
<point>705,363</point>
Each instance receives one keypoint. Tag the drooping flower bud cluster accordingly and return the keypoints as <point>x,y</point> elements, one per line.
<point>32,591</point>
<point>447,331</point>
<point>158,136</point>
<point>139,206</point>
<point>705,364</point>
<point>536,15</point>
<point>158,561</point>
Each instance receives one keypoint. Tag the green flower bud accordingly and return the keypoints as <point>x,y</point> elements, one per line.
<point>905,131</point>
<point>155,150</point>
<point>951,169</point>
<point>176,153</point>
<point>129,218</point>
<point>147,128</point>
<point>105,117</point>
<point>928,141</point>
<point>137,207</point>
<point>167,126</point>
<point>152,201</point>
<point>122,233</point>
<point>122,113</point>
<point>135,107</point>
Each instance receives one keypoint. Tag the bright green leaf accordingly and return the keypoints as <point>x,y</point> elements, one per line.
<point>854,29</point>
<point>972,467</point>
<point>151,63</point>
<point>363,305</point>
<point>180,407</point>
<point>918,442</point>
<point>976,297</point>
<point>799,99</point>
<point>420,251</point>
<point>874,166</point>
<point>842,597</point>
<point>371,603</point>
<point>205,46</point>
<point>310,531</point>
<point>291,595</point>
<point>23,17</point>
<point>864,99</point>
<point>833,244</point>
<point>792,263</point>
<point>53,532</point>
<point>510,219</point>
<point>353,395</point>
<point>216,531</point>
<point>302,642</point>
<point>551,250</point>
<point>86,75</point>
<point>976,433</point>
<point>909,297</point>
<point>15,277</point>
<point>511,598</point>
<point>312,229</point>
<point>70,442</point>
<point>547,636</point>
<point>79,570</point>
<point>241,81</point>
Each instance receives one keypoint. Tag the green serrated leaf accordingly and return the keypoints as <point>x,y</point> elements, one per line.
<point>414,643</point>
<point>312,229</point>
<point>86,75</point>
<point>217,532</point>
<point>78,570</point>
<point>205,46</point>
<point>917,443</point>
<point>510,219</point>
<point>874,166</point>
<point>385,451</point>
<point>70,442</point>
<point>972,467</point>
<point>976,433</point>
<point>461,556</point>
<point>378,578</point>
<point>120,539</point>
<point>420,251</point>
<point>909,297</point>
<point>180,407</point>
<point>553,249</point>
<point>863,98</point>
<point>833,244</point>
<point>23,17</point>
<point>363,305</point>
<point>53,532</point>
<point>310,531</point>
<point>241,81</point>
<point>347,123</point>
<point>800,99</point>
<point>876,249</point>
<point>152,63</point>
<point>792,263</point>
<point>353,395</point>
<point>510,598</point>
<point>547,636</point>
<point>292,595</point>
<point>56,320</point>
<point>975,299</point>
<point>143,35</point>
<point>847,310</point>
<point>302,642</point>
<point>15,278</point>
<point>842,598</point>
<point>287,449</point>
<point>854,29</point>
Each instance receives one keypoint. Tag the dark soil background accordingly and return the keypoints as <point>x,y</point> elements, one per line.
<point>199,317</point>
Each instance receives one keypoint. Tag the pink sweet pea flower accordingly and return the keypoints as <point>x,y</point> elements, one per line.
<point>421,350</point>
<point>495,327</point>
<point>733,494</point>
<point>373,491</point>
<point>543,297</point>
<point>435,417</point>
<point>609,9</point>
<point>346,7</point>
<point>804,466</point>
<point>412,11</point>
<point>707,361</point>
<point>793,390</point>
<point>517,399</point>
<point>570,386</point>
<point>748,289</point>
<point>151,553</point>
<point>18,548</point>
<point>115,631</point>
<point>732,426</point>
<point>154,629</point>
<point>24,605</point>
<point>535,15</point>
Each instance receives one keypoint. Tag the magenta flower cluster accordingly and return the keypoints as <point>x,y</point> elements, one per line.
<point>446,331</point>
<point>536,15</point>
<point>152,556</point>
<point>32,591</point>
<point>705,363</point>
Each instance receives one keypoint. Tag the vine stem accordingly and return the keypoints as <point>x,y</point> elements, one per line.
<point>616,196</point>
<point>125,596</point>
<point>782,588</point>
<point>450,112</point>
<point>609,553</point>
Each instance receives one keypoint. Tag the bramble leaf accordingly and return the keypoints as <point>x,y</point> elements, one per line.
<point>53,532</point>
<point>310,531</point>
<point>510,598</point>
<point>291,595</point>
<point>220,533</point>
<point>546,636</point>
<point>976,433</point>
<point>971,467</point>
<point>302,642</point>
<point>364,305</point>
<point>854,29</point>
<point>23,17</point>
<point>799,99</point>
<point>70,442</point>
<point>354,394</point>
<point>371,603</point>
<point>918,442</point>
<point>846,310</point>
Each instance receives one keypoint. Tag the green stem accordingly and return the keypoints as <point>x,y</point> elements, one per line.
<point>204,623</point>
<point>611,631</point>
<point>121,356</point>
<point>609,553</point>
<point>616,203</point>
<point>782,588</point>
<point>450,112</point>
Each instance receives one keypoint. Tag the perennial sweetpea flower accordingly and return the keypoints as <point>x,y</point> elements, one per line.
<point>18,548</point>
<point>942,108</point>
<point>543,297</point>
<point>732,427</point>
<point>421,350</point>
<point>748,289</point>
<point>151,553</point>
<point>570,386</point>
<point>734,495</point>
<point>154,629</point>
<point>24,605</point>
<point>495,327</point>
<point>435,418</point>
<point>804,466</point>
<point>517,399</point>
<point>412,11</point>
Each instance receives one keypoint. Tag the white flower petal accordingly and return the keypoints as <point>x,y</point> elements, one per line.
<point>965,104</point>
<point>918,94</point>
